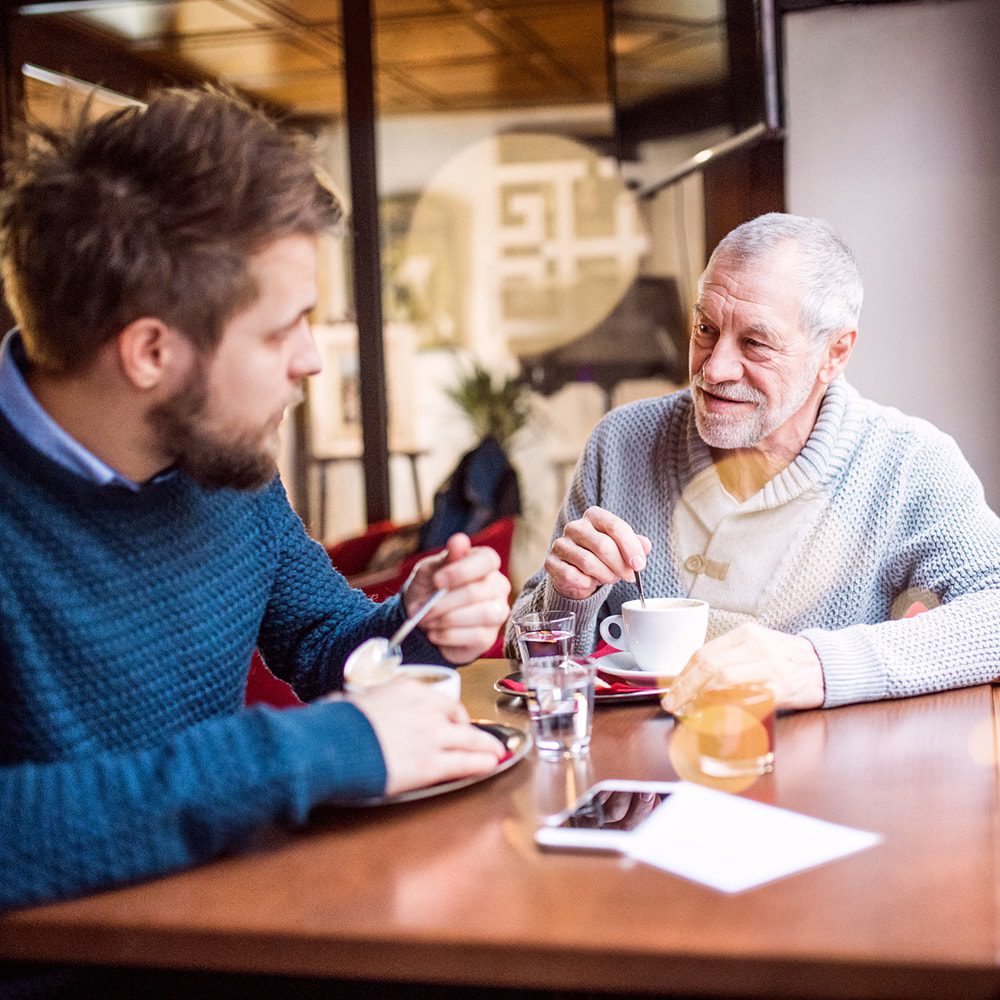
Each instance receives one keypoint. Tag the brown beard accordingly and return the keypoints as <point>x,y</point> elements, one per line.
<point>238,462</point>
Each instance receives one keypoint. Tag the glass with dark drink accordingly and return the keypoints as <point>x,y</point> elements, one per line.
<point>545,633</point>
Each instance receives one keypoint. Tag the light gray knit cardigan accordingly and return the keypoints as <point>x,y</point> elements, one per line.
<point>903,514</point>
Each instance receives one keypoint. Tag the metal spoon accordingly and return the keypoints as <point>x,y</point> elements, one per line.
<point>638,583</point>
<point>416,618</point>
<point>375,661</point>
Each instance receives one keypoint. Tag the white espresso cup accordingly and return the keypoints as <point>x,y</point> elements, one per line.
<point>443,679</point>
<point>661,636</point>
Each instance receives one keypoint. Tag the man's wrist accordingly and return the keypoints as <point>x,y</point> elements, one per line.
<point>815,692</point>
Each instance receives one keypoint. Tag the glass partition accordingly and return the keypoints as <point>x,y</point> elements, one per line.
<point>539,245</point>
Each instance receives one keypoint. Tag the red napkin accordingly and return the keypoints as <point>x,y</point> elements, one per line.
<point>615,684</point>
<point>603,649</point>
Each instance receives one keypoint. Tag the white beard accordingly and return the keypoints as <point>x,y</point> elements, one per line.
<point>728,431</point>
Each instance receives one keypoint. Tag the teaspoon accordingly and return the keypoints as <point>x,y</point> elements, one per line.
<point>638,583</point>
<point>375,660</point>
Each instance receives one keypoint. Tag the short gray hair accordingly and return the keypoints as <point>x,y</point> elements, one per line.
<point>832,286</point>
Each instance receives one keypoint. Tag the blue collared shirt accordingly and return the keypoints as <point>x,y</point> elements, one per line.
<point>27,416</point>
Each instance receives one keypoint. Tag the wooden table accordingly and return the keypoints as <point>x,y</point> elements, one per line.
<point>452,889</point>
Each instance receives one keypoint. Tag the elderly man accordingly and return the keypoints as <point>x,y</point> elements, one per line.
<point>811,520</point>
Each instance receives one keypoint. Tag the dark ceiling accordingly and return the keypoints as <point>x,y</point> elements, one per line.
<point>431,55</point>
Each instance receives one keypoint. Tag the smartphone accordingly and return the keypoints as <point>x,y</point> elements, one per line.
<point>600,820</point>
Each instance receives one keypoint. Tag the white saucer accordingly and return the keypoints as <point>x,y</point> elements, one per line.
<point>623,665</point>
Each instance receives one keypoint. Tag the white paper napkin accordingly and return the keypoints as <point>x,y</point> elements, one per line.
<point>732,844</point>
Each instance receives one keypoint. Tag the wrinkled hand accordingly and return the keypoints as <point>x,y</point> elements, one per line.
<point>593,550</point>
<point>465,622</point>
<point>622,810</point>
<point>751,653</point>
<point>425,736</point>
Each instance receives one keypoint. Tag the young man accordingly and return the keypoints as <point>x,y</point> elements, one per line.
<point>809,519</point>
<point>161,264</point>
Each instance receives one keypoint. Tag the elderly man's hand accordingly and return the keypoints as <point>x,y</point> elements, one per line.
<point>465,622</point>
<point>593,550</point>
<point>620,810</point>
<point>787,663</point>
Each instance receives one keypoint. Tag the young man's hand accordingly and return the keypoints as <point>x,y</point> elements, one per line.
<point>465,622</point>
<point>425,736</point>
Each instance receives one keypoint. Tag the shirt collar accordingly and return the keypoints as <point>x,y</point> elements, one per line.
<point>27,416</point>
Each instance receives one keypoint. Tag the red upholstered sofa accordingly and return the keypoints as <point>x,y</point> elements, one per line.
<point>352,557</point>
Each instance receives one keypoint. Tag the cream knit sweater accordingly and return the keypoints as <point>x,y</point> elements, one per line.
<point>886,512</point>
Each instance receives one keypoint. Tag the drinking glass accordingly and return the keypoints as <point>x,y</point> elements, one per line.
<point>728,732</point>
<point>560,695</point>
<point>545,633</point>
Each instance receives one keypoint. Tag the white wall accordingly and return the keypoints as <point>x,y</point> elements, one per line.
<point>894,136</point>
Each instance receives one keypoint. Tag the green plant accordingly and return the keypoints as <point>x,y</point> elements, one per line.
<point>498,409</point>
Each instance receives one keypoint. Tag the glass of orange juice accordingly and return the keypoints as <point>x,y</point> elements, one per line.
<point>729,731</point>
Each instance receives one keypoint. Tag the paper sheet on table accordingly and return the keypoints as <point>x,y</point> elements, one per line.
<point>731,844</point>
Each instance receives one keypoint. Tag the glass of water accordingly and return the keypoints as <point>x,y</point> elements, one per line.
<point>560,695</point>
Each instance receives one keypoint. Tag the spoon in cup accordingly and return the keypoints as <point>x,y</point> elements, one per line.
<point>375,661</point>
<point>638,583</point>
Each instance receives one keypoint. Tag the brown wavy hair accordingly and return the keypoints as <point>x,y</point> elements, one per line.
<point>151,210</point>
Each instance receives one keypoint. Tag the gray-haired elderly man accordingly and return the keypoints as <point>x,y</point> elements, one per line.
<point>808,518</point>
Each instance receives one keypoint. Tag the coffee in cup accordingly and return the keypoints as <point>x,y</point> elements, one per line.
<point>443,679</point>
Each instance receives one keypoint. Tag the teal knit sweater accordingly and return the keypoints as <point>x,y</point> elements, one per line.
<point>127,623</point>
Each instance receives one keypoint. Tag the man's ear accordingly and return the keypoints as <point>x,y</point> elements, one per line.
<point>837,354</point>
<point>149,352</point>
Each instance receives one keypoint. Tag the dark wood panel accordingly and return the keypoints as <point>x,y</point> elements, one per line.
<point>63,47</point>
<point>425,42</point>
<point>10,104</point>
<point>557,46</point>
<point>791,5</point>
<point>742,185</point>
<point>366,257</point>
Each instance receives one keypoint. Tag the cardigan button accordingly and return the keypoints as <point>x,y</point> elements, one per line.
<point>694,564</point>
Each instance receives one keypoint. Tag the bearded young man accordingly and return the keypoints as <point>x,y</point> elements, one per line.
<point>808,518</point>
<point>161,264</point>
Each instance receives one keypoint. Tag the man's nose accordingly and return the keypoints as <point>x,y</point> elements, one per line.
<point>724,364</point>
<point>306,359</point>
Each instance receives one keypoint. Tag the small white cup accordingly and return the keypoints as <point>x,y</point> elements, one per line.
<point>661,636</point>
<point>443,679</point>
